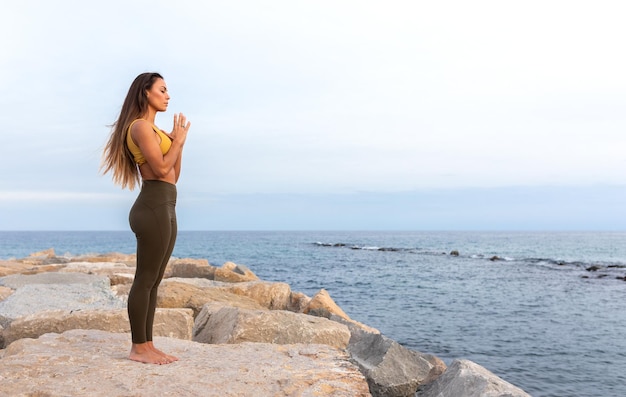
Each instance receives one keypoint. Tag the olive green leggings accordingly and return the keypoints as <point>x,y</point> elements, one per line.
<point>153,220</point>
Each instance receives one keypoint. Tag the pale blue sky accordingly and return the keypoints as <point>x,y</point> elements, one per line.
<point>324,114</point>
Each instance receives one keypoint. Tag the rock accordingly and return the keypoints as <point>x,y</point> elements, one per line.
<point>495,258</point>
<point>94,363</point>
<point>51,291</point>
<point>218,323</point>
<point>391,369</point>
<point>13,267</point>
<point>274,296</point>
<point>116,257</point>
<point>45,268</point>
<point>267,294</point>
<point>49,253</point>
<point>177,294</point>
<point>190,268</point>
<point>121,278</point>
<point>354,325</point>
<point>298,302</point>
<point>5,292</point>
<point>593,268</point>
<point>19,280</point>
<point>196,282</point>
<point>41,258</point>
<point>322,305</point>
<point>108,269</point>
<point>233,273</point>
<point>468,379</point>
<point>174,323</point>
<point>454,253</point>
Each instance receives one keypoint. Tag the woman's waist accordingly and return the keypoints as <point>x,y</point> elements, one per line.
<point>158,189</point>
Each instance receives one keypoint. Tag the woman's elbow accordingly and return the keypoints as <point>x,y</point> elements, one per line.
<point>162,172</point>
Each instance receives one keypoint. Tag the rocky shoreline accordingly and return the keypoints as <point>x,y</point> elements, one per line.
<point>64,332</point>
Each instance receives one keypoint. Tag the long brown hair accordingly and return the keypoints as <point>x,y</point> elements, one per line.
<point>116,156</point>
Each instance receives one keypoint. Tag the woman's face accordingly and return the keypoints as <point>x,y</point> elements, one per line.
<point>158,97</point>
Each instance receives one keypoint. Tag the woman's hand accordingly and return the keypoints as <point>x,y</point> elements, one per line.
<point>181,127</point>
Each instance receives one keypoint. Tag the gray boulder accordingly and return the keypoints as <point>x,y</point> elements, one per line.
<point>465,378</point>
<point>55,291</point>
<point>391,369</point>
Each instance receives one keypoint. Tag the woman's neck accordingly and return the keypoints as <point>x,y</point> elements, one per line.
<point>150,115</point>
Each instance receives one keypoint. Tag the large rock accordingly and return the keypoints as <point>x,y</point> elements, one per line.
<point>16,281</point>
<point>116,257</point>
<point>40,260</point>
<point>14,267</point>
<point>391,369</point>
<point>52,291</point>
<point>174,323</point>
<point>298,302</point>
<point>468,379</point>
<point>190,268</point>
<point>108,269</point>
<point>323,305</point>
<point>177,294</point>
<point>273,296</point>
<point>233,273</point>
<point>218,323</point>
<point>94,363</point>
<point>269,295</point>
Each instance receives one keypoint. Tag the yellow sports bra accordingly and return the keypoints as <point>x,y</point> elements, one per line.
<point>165,144</point>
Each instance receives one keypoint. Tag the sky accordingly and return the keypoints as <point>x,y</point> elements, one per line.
<point>324,115</point>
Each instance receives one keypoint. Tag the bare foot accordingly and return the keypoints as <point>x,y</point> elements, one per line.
<point>170,358</point>
<point>142,353</point>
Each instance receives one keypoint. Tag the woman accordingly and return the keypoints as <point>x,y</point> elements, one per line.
<point>139,152</point>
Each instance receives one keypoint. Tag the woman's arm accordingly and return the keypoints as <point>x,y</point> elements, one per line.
<point>160,166</point>
<point>177,166</point>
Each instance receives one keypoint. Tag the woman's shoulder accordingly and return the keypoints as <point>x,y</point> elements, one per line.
<point>142,127</point>
<point>139,124</point>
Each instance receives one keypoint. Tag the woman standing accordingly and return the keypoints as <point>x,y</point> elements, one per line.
<point>139,153</point>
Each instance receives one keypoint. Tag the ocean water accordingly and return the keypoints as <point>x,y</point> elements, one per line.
<point>542,310</point>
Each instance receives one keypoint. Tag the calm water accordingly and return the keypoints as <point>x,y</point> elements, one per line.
<point>537,317</point>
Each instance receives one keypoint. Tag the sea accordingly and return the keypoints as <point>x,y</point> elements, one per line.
<point>544,311</point>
